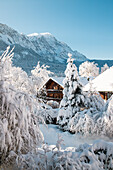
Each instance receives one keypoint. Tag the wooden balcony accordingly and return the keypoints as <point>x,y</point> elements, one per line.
<point>53,91</point>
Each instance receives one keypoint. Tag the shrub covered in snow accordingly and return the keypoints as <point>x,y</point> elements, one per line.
<point>95,120</point>
<point>96,102</point>
<point>48,114</point>
<point>86,120</point>
<point>53,104</point>
<point>105,123</point>
<point>97,156</point>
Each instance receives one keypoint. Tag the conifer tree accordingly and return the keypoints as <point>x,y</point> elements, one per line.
<point>73,98</point>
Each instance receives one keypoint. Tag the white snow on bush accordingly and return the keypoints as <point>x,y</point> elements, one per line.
<point>97,156</point>
<point>88,69</point>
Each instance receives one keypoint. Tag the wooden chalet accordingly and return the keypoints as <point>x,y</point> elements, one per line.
<point>103,84</point>
<point>54,89</point>
<point>106,95</point>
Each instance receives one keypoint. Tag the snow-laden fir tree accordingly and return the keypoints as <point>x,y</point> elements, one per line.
<point>73,98</point>
<point>85,121</point>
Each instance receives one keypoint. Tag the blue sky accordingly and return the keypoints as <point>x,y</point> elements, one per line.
<point>85,25</point>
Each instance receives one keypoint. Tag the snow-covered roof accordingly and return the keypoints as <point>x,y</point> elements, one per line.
<point>83,80</point>
<point>58,80</point>
<point>103,82</point>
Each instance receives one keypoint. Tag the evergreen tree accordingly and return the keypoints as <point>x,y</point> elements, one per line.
<point>73,98</point>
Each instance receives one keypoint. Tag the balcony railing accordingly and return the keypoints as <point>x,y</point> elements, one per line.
<point>53,91</point>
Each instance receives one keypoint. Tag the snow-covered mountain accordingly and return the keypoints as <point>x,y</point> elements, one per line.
<point>43,47</point>
<point>46,43</point>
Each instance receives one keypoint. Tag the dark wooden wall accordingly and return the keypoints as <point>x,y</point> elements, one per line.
<point>54,91</point>
<point>106,95</point>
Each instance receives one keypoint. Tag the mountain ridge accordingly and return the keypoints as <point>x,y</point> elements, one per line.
<point>43,47</point>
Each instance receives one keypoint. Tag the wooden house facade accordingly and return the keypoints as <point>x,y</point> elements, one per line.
<point>106,95</point>
<point>54,90</point>
<point>102,84</point>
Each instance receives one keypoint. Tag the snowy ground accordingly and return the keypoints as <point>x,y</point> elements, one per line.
<point>71,140</point>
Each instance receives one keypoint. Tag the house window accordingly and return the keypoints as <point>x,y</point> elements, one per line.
<point>50,95</point>
<point>54,87</point>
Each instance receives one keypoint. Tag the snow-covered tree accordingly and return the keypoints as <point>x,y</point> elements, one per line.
<point>96,101</point>
<point>105,123</point>
<point>21,81</point>
<point>41,71</point>
<point>89,70</point>
<point>19,130</point>
<point>104,68</point>
<point>39,75</point>
<point>42,93</point>
<point>78,110</point>
<point>73,98</point>
<point>85,121</point>
<point>98,155</point>
<point>15,75</point>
